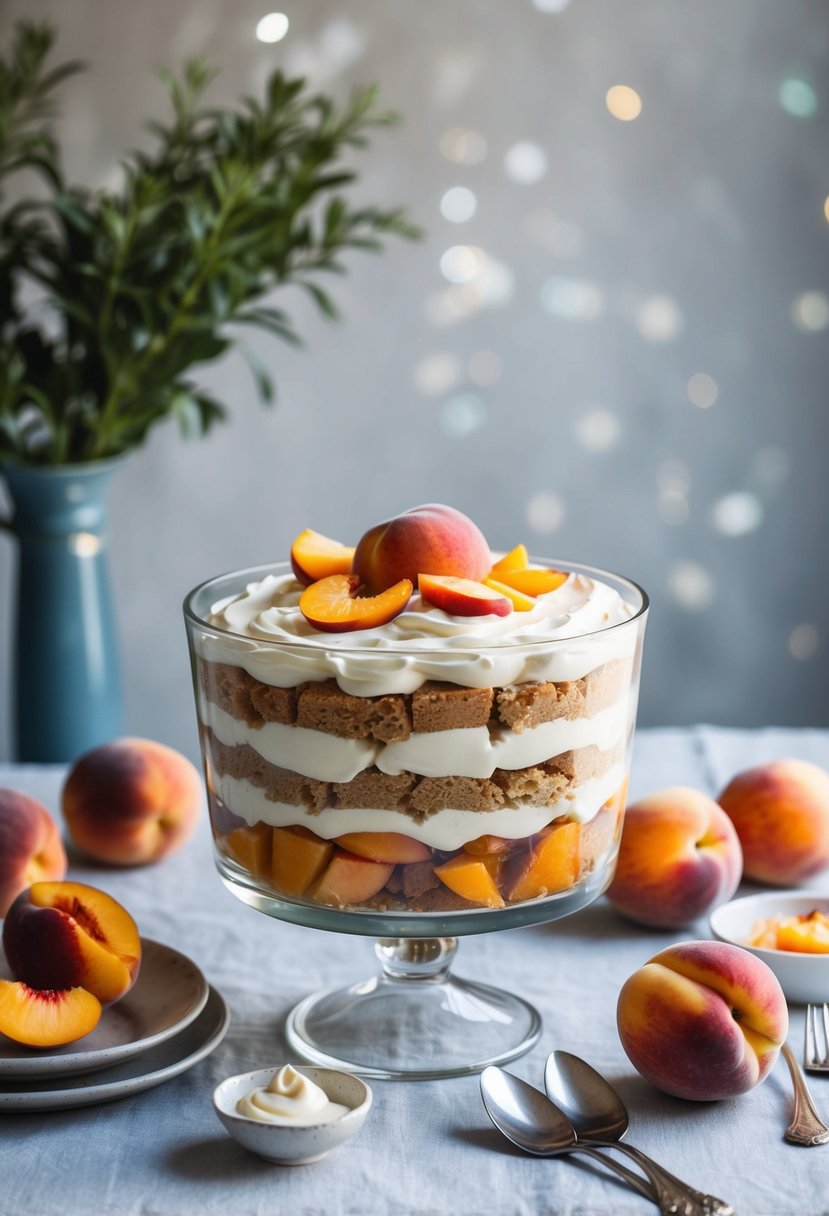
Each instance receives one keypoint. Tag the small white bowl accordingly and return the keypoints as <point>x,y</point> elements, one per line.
<point>804,978</point>
<point>289,1145</point>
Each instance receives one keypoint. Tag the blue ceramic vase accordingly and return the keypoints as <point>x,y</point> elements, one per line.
<point>66,684</point>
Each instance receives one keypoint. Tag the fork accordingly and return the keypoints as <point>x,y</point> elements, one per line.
<point>815,1057</point>
<point>806,1126</point>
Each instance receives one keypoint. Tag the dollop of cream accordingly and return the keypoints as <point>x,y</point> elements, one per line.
<point>290,1098</point>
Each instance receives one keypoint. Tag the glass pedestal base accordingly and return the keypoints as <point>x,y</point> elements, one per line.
<point>414,1021</point>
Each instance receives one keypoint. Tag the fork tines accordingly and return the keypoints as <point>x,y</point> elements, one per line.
<point>816,1046</point>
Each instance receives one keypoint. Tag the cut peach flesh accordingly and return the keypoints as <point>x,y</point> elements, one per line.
<point>519,601</point>
<point>385,846</point>
<point>533,581</point>
<point>298,859</point>
<point>803,937</point>
<point>314,556</point>
<point>552,865</point>
<point>46,1018</point>
<point>517,559</point>
<point>333,606</point>
<point>252,848</point>
<point>106,936</point>
<point>351,880</point>
<point>462,596</point>
<point>483,845</point>
<point>472,878</point>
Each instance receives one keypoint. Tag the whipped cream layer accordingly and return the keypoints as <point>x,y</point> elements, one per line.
<point>474,751</point>
<point>568,633</point>
<point>444,830</point>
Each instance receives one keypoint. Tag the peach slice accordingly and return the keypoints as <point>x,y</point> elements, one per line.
<point>314,556</point>
<point>483,846</point>
<point>68,935</point>
<point>519,601</point>
<point>46,1017</point>
<point>298,859</point>
<point>517,559</point>
<point>351,880</point>
<point>462,596</point>
<point>473,878</point>
<point>332,604</point>
<point>252,848</point>
<point>534,580</point>
<point>385,846</point>
<point>553,864</point>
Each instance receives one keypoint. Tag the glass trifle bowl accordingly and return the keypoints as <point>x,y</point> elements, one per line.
<point>435,776</point>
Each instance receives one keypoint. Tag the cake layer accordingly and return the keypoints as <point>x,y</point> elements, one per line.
<point>446,829</point>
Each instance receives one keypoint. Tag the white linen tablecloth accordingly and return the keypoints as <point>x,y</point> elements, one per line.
<point>427,1147</point>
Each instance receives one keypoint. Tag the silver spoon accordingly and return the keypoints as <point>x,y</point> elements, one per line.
<point>598,1114</point>
<point>529,1119</point>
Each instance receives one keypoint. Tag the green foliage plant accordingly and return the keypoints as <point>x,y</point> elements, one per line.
<point>110,297</point>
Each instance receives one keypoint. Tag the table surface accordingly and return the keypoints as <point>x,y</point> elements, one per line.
<point>427,1147</point>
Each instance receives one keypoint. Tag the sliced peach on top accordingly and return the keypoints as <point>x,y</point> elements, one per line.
<point>350,880</point>
<point>535,580</point>
<point>46,1017</point>
<point>68,935</point>
<point>314,556</point>
<point>462,596</point>
<point>517,559</point>
<point>552,864</point>
<point>333,605</point>
<point>385,846</point>
<point>252,847</point>
<point>473,878</point>
<point>298,859</point>
<point>519,601</point>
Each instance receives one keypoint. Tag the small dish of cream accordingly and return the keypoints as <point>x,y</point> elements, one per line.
<point>292,1115</point>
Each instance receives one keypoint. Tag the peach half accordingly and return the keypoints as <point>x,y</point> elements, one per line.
<point>432,538</point>
<point>30,846</point>
<point>70,935</point>
<point>679,858</point>
<point>333,605</point>
<point>46,1017</point>
<point>781,814</point>
<point>131,801</point>
<point>703,1020</point>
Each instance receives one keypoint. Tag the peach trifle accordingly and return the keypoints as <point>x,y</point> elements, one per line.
<point>415,724</point>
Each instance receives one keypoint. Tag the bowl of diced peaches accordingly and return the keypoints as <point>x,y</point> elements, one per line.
<point>789,931</point>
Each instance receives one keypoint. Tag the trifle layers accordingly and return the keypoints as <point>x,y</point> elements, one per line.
<point>353,777</point>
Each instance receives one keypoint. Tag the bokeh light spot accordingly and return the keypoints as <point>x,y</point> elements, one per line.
<point>810,311</point>
<point>458,205</point>
<point>797,97</point>
<point>462,415</point>
<point>545,512</point>
<point>598,431</point>
<point>702,390</point>
<point>461,263</point>
<point>623,102</point>
<point>272,27</point>
<point>525,163</point>
<point>690,586</point>
<point>463,147</point>
<point>551,6</point>
<point>437,374</point>
<point>803,641</point>
<point>659,319</point>
<point>737,514</point>
<point>573,299</point>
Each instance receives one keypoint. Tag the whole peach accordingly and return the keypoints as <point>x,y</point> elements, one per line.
<point>781,813</point>
<point>30,846</point>
<point>432,539</point>
<point>131,801</point>
<point>703,1020</point>
<point>679,857</point>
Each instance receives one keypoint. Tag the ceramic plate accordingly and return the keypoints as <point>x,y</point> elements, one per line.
<point>159,1064</point>
<point>168,995</point>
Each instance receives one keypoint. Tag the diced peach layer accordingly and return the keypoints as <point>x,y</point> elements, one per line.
<point>385,846</point>
<point>552,864</point>
<point>252,848</point>
<point>299,858</point>
<point>351,880</point>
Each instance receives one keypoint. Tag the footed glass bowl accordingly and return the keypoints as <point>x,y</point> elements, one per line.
<point>433,777</point>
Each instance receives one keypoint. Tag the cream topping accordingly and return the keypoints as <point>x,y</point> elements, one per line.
<point>566,635</point>
<point>290,1098</point>
<point>474,751</point>
<point>444,830</point>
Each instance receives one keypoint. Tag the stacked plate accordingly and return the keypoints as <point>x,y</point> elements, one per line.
<point>169,1020</point>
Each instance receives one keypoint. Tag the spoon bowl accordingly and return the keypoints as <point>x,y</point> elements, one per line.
<point>524,1114</point>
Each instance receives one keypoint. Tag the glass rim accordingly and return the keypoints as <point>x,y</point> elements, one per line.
<point>252,573</point>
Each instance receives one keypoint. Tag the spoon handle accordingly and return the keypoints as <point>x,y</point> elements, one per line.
<point>633,1180</point>
<point>673,1196</point>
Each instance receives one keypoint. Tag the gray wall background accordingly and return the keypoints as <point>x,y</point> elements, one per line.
<point>633,373</point>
